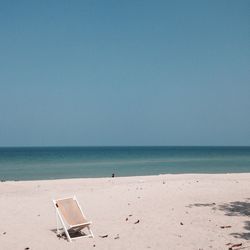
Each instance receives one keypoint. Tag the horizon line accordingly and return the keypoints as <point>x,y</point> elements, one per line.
<point>109,146</point>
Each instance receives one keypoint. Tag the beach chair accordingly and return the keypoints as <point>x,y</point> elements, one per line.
<point>73,221</point>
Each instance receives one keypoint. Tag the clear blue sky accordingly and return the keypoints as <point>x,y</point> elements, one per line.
<point>124,73</point>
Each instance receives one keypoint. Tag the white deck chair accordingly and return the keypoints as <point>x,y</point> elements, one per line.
<point>73,221</point>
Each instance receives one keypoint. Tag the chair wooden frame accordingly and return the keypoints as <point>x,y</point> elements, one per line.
<point>66,226</point>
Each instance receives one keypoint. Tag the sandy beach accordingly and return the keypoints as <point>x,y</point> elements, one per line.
<point>187,211</point>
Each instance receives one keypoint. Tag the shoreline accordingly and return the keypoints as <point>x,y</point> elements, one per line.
<point>128,176</point>
<point>175,211</point>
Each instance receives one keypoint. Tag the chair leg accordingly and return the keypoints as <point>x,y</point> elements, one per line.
<point>91,233</point>
<point>67,235</point>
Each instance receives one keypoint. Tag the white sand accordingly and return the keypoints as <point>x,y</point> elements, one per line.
<point>202,203</point>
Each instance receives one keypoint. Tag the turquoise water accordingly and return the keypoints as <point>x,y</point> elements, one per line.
<point>32,163</point>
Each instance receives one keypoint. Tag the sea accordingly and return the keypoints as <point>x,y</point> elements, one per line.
<point>43,163</point>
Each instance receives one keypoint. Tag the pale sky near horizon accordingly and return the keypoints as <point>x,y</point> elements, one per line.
<point>124,73</point>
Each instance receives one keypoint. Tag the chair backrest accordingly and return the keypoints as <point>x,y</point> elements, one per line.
<point>70,211</point>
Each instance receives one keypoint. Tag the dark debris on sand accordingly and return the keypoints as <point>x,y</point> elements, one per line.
<point>117,237</point>
<point>103,236</point>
